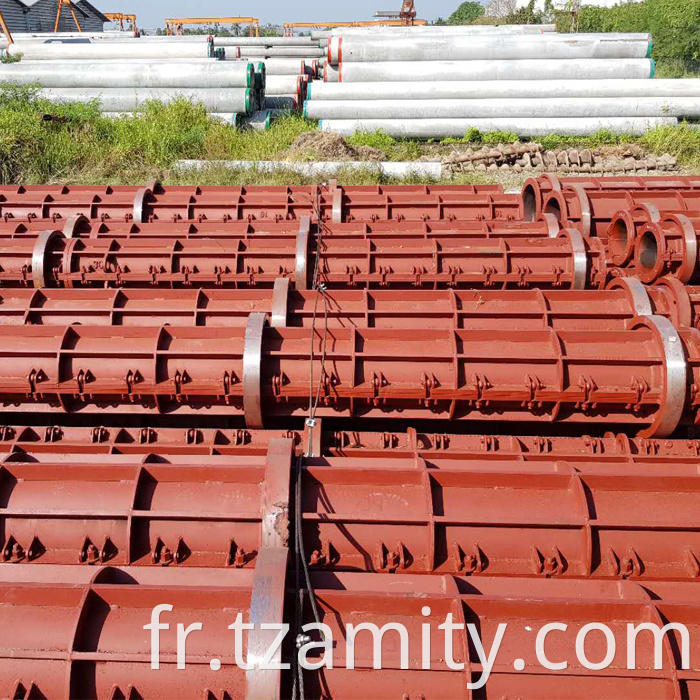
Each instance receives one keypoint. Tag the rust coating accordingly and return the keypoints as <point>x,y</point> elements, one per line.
<point>537,190</point>
<point>326,203</point>
<point>609,309</point>
<point>567,261</point>
<point>544,376</point>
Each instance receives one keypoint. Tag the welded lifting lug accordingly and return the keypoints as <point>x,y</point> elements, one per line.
<point>377,381</point>
<point>81,379</point>
<point>99,434</point>
<point>179,379</point>
<point>193,436</point>
<point>389,441</point>
<point>542,445</point>
<point>236,556</point>
<point>640,387</point>
<point>593,445</point>
<point>328,381</point>
<point>241,437</point>
<point>53,433</point>
<point>351,271</point>
<point>625,567</point>
<point>482,384</point>
<point>453,273</point>
<point>440,442</point>
<point>165,556</point>
<point>418,273</point>
<point>384,272</point>
<point>522,273</point>
<point>388,560</point>
<point>227,381</point>
<point>147,436</point>
<point>33,378</point>
<point>588,386</point>
<point>552,565</point>
<point>488,273</point>
<point>557,272</point>
<point>91,554</point>
<point>13,552</point>
<point>469,563</point>
<point>533,385</point>
<point>694,447</point>
<point>649,447</point>
<point>489,443</point>
<point>131,379</point>
<point>322,557</point>
<point>278,380</point>
<point>428,384</point>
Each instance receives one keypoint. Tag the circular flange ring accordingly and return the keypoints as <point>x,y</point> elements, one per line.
<point>553,226</point>
<point>252,370</point>
<point>301,278</point>
<point>585,206</point>
<point>690,246</point>
<point>280,303</point>
<point>140,200</point>
<point>77,224</point>
<point>39,254</point>
<point>641,303</point>
<point>675,376</point>
<point>681,307</point>
<point>579,257</point>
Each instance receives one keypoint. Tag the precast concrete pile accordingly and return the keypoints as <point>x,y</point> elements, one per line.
<point>121,74</point>
<point>290,62</point>
<point>434,82</point>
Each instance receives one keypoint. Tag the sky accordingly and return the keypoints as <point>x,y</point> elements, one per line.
<point>151,13</point>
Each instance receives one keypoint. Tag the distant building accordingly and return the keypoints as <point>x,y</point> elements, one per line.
<point>24,16</point>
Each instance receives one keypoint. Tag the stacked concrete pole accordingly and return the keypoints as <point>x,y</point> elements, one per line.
<point>434,83</point>
<point>290,62</point>
<point>122,74</point>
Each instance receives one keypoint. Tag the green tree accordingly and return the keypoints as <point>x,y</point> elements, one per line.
<point>466,13</point>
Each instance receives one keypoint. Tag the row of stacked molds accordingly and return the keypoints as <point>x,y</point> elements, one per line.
<point>530,547</point>
<point>161,348</point>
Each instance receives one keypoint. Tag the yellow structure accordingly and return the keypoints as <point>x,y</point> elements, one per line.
<point>176,25</point>
<point>289,27</point>
<point>120,18</point>
<point>69,5</point>
<point>5,29</point>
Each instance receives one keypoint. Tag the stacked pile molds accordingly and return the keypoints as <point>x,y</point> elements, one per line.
<point>293,403</point>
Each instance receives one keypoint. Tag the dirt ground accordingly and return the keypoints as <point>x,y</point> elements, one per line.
<point>623,159</point>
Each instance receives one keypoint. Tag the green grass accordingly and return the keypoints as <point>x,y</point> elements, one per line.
<point>217,175</point>
<point>42,142</point>
<point>394,149</point>
<point>677,68</point>
<point>11,58</point>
